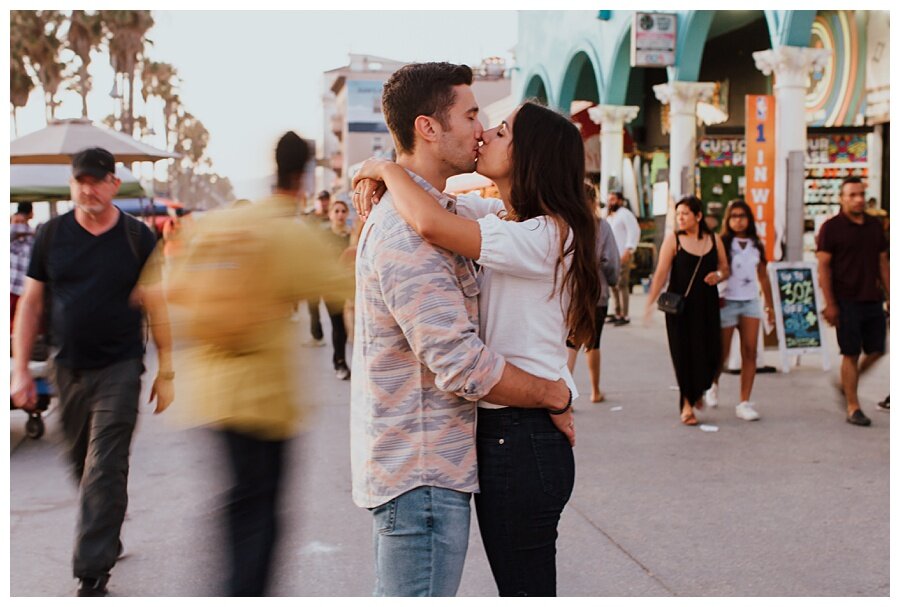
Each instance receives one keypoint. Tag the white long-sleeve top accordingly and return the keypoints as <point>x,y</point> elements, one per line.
<point>521,317</point>
<point>625,229</point>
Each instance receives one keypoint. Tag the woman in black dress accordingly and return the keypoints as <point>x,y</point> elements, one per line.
<point>693,261</point>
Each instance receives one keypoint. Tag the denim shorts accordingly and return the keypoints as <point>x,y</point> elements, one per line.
<point>734,309</point>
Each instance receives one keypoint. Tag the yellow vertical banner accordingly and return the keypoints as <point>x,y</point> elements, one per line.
<point>760,166</point>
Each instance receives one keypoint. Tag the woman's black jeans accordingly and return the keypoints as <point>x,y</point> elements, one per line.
<point>526,471</point>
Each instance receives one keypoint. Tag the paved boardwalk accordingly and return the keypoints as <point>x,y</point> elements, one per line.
<point>795,504</point>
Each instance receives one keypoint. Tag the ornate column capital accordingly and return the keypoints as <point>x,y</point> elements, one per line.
<point>791,64</point>
<point>682,97</point>
<point>613,114</point>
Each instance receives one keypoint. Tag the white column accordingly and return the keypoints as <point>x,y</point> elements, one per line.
<point>874,150</point>
<point>791,66</point>
<point>682,98</point>
<point>612,120</point>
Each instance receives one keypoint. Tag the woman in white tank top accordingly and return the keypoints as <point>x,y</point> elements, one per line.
<point>742,307</point>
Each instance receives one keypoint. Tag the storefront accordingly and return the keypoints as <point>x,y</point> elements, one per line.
<point>831,156</point>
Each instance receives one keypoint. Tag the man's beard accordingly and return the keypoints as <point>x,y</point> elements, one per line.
<point>91,208</point>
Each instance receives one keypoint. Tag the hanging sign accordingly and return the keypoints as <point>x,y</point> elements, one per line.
<point>653,37</point>
<point>760,166</point>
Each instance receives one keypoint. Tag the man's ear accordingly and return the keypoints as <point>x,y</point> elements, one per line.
<point>427,128</point>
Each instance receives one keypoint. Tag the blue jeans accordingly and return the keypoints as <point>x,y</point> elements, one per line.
<point>421,538</point>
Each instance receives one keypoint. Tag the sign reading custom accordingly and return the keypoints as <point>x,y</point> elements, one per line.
<point>653,37</point>
<point>760,166</point>
<point>798,317</point>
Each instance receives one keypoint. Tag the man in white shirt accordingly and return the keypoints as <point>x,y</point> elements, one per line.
<point>627,232</point>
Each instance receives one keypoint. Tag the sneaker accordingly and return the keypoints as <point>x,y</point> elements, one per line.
<point>621,321</point>
<point>342,373</point>
<point>314,343</point>
<point>712,396</point>
<point>89,586</point>
<point>746,412</point>
<point>884,405</point>
<point>858,418</point>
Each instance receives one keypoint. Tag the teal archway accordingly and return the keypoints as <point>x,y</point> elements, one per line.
<point>620,71</point>
<point>537,89</point>
<point>580,81</point>
<point>689,48</point>
<point>795,28</point>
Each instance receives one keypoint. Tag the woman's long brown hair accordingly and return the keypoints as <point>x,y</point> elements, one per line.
<point>548,179</point>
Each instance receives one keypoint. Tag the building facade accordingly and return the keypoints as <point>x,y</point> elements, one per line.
<point>354,126</point>
<point>670,131</point>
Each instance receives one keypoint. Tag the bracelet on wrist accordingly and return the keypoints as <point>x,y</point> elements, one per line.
<point>564,409</point>
<point>167,375</point>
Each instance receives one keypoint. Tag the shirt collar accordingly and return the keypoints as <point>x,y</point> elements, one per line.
<point>447,200</point>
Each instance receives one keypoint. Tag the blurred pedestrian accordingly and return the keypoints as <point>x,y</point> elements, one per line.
<point>339,236</point>
<point>627,233</point>
<point>233,287</point>
<point>608,260</point>
<point>854,274</point>
<point>21,240</point>
<point>692,259</point>
<point>419,364</point>
<point>742,308</point>
<point>320,218</point>
<point>91,260</point>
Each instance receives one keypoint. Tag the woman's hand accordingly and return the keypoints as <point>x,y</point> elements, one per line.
<point>366,194</point>
<point>713,278</point>
<point>373,168</point>
<point>368,185</point>
<point>648,314</point>
<point>770,316</point>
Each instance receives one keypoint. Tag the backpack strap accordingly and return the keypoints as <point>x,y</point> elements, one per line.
<point>132,234</point>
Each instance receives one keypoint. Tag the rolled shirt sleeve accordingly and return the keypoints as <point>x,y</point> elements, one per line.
<point>527,249</point>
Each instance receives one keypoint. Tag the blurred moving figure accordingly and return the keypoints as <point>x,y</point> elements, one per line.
<point>608,273</point>
<point>21,239</point>
<point>232,291</point>
<point>854,273</point>
<point>91,260</point>
<point>339,237</point>
<point>319,217</point>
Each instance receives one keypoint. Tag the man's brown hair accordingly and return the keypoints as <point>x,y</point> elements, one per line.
<point>420,89</point>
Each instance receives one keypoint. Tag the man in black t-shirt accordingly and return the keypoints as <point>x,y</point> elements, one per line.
<point>855,278</point>
<point>91,260</point>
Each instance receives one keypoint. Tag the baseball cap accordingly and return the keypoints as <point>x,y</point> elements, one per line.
<point>324,194</point>
<point>95,162</point>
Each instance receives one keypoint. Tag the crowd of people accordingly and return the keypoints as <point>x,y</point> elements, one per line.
<point>450,396</point>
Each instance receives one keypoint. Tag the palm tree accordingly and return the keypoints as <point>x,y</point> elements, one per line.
<point>127,31</point>
<point>85,35</point>
<point>160,80</point>
<point>20,81</point>
<point>36,35</point>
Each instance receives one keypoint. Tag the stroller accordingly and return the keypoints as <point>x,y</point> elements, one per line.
<point>41,367</point>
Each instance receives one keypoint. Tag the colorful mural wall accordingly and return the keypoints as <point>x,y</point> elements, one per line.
<point>836,94</point>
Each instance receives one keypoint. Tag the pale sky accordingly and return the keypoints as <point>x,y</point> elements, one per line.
<point>250,76</point>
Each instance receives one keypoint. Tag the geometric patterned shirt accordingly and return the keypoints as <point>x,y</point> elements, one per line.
<point>419,365</point>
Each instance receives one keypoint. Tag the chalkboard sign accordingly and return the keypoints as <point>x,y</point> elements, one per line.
<point>798,316</point>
